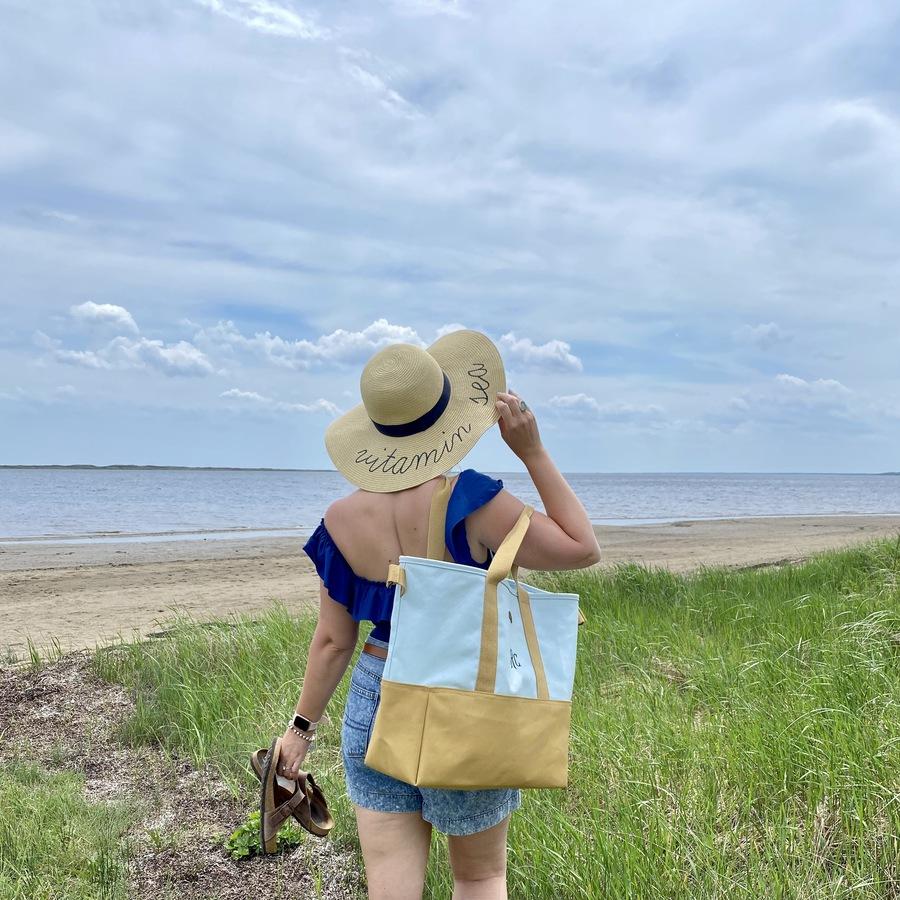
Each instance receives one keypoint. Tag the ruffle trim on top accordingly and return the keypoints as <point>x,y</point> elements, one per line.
<point>472,490</point>
<point>373,601</point>
<point>365,600</point>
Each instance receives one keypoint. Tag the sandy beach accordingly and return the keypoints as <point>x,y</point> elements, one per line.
<point>85,593</point>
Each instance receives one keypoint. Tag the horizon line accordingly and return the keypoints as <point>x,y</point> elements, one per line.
<point>153,467</point>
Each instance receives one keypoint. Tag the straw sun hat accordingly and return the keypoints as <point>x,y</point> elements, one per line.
<point>422,411</point>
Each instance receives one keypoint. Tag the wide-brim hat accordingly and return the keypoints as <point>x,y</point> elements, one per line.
<point>423,410</point>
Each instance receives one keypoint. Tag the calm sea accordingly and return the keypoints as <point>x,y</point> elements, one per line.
<point>121,504</point>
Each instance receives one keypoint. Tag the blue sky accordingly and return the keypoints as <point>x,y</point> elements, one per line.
<point>679,221</point>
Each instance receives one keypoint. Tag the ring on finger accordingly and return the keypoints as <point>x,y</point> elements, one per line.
<point>523,406</point>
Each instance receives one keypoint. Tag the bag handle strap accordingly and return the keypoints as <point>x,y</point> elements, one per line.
<point>437,546</point>
<point>437,521</point>
<point>502,566</point>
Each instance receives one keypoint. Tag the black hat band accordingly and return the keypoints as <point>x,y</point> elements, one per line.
<point>406,429</point>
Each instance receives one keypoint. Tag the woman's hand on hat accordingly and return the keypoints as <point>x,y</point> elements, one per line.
<point>518,427</point>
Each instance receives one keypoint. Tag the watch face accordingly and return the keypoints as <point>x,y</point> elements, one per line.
<point>301,722</point>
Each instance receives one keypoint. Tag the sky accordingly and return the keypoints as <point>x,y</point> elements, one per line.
<point>679,221</point>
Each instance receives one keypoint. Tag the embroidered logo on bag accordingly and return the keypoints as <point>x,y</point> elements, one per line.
<point>514,661</point>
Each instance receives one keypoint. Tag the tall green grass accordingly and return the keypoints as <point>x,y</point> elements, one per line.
<point>733,733</point>
<point>54,844</point>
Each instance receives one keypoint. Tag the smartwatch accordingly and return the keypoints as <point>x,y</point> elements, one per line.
<point>303,723</point>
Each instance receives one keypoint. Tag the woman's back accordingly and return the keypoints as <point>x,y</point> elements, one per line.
<point>373,530</point>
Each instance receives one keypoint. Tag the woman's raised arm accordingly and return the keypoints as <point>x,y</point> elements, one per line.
<point>563,538</point>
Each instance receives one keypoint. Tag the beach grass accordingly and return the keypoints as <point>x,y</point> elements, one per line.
<point>734,733</point>
<point>54,843</point>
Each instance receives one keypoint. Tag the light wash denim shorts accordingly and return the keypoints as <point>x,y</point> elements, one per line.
<point>449,811</point>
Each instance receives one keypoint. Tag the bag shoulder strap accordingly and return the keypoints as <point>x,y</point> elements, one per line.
<point>503,563</point>
<point>437,521</point>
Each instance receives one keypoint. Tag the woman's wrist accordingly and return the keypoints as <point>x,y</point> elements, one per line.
<point>297,721</point>
<point>535,457</point>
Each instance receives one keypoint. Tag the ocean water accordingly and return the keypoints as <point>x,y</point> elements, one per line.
<point>155,504</point>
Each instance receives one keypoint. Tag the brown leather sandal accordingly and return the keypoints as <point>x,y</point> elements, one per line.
<point>282,797</point>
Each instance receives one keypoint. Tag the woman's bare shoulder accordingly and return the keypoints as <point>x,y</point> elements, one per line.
<point>344,508</point>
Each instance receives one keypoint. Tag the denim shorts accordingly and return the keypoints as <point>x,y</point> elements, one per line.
<point>449,811</point>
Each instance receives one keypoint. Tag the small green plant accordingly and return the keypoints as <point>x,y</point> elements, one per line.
<point>34,655</point>
<point>244,841</point>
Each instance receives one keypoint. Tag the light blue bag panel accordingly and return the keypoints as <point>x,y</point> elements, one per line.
<point>435,613</point>
<point>436,631</point>
<point>515,674</point>
<point>556,623</point>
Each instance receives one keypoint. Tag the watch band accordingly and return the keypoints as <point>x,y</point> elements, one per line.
<point>300,722</point>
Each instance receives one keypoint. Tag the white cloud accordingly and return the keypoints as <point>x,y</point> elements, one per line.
<point>525,195</point>
<point>624,413</point>
<point>106,313</point>
<point>180,358</point>
<point>859,127</point>
<point>795,403</point>
<point>765,336</point>
<point>255,399</point>
<point>554,355</point>
<point>343,347</point>
<point>60,216</point>
<point>338,347</point>
<point>449,329</point>
<point>387,96</point>
<point>39,395</point>
<point>13,395</point>
<point>267,17</point>
<point>822,389</point>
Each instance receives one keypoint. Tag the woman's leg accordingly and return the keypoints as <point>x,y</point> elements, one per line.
<point>479,863</point>
<point>395,850</point>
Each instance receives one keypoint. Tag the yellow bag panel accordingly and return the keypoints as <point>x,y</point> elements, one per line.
<point>449,738</point>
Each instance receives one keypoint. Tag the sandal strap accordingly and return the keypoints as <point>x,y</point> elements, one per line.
<point>275,817</point>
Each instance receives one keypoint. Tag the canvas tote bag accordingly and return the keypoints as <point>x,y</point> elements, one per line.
<point>476,689</point>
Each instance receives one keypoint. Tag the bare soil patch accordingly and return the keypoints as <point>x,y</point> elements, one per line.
<point>65,719</point>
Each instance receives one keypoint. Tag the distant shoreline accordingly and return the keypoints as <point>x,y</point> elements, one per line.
<point>131,467</point>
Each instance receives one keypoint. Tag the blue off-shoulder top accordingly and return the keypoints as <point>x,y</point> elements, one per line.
<point>372,601</point>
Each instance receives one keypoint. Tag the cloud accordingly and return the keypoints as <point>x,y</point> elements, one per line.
<point>255,399</point>
<point>387,96</point>
<point>43,396</point>
<point>340,347</point>
<point>343,347</point>
<point>818,391</point>
<point>180,358</point>
<point>585,406</point>
<point>422,186</point>
<point>798,404</point>
<point>764,336</point>
<point>105,313</point>
<point>60,216</point>
<point>554,355</point>
<point>267,17</point>
<point>448,329</point>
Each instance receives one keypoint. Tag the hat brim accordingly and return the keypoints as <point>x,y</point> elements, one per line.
<point>375,462</point>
